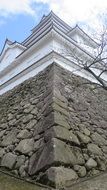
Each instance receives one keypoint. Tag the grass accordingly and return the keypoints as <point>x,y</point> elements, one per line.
<point>10,183</point>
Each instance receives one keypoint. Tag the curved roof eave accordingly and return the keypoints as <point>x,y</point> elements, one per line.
<point>9,43</point>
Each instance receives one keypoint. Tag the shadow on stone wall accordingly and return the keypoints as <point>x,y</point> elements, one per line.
<point>53,129</point>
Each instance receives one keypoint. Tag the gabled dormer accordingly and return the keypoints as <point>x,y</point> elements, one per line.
<point>82,39</point>
<point>9,52</point>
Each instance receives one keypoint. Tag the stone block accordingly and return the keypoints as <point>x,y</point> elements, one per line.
<point>60,103</point>
<point>24,134</point>
<point>2,152</point>
<point>8,160</point>
<point>59,177</point>
<point>38,144</point>
<point>79,159</point>
<point>25,146</point>
<point>98,139</point>
<point>57,108</point>
<point>44,123</point>
<point>60,119</point>
<point>83,138</point>
<point>91,163</point>
<point>61,133</point>
<point>27,118</point>
<point>2,133</point>
<point>20,161</point>
<point>81,170</point>
<point>94,149</point>
<point>10,138</point>
<point>31,124</point>
<point>3,126</point>
<point>54,152</point>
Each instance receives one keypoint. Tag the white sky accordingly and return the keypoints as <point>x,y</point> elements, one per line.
<point>72,11</point>
<point>92,12</point>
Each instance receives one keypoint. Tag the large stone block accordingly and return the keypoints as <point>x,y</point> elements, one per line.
<point>60,119</point>
<point>55,152</point>
<point>59,177</point>
<point>60,103</point>
<point>57,108</point>
<point>61,133</point>
<point>44,123</point>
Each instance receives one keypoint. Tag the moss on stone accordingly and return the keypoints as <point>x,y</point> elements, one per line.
<point>11,183</point>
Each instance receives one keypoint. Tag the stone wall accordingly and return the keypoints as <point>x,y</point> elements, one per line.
<point>22,113</point>
<point>53,128</point>
<point>98,182</point>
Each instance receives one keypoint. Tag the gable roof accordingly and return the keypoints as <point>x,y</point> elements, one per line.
<point>9,44</point>
<point>51,19</point>
<point>81,32</point>
<point>51,15</point>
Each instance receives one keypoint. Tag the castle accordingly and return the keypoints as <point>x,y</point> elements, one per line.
<point>52,40</point>
<point>53,118</point>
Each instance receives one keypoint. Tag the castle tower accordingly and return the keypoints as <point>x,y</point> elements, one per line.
<point>53,119</point>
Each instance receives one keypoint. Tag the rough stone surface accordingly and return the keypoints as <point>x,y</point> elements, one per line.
<point>96,183</point>
<point>79,159</point>
<point>61,120</point>
<point>59,176</point>
<point>31,124</point>
<point>2,152</point>
<point>2,133</point>
<point>20,161</point>
<point>94,149</point>
<point>54,120</point>
<point>81,170</point>
<point>84,130</point>
<point>3,126</point>
<point>24,134</point>
<point>10,138</point>
<point>63,134</point>
<point>38,144</point>
<point>98,139</point>
<point>83,138</point>
<point>91,163</point>
<point>53,152</point>
<point>25,146</point>
<point>8,160</point>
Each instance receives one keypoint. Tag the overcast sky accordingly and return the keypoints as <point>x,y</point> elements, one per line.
<point>18,17</point>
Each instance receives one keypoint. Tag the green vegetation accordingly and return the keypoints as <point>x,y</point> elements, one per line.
<point>11,183</point>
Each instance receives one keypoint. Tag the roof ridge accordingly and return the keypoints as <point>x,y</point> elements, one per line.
<point>77,26</point>
<point>51,15</point>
